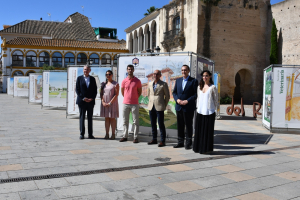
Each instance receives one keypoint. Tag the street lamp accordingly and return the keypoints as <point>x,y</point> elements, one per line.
<point>157,50</point>
<point>89,61</point>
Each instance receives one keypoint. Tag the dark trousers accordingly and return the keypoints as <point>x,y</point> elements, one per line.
<point>185,126</point>
<point>154,115</point>
<point>86,108</point>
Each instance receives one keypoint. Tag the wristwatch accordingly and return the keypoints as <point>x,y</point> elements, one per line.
<point>109,103</point>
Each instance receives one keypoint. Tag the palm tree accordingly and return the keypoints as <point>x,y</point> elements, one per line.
<point>152,9</point>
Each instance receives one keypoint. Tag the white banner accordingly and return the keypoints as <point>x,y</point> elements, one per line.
<point>35,88</point>
<point>286,98</point>
<point>145,66</point>
<point>10,86</point>
<point>54,89</point>
<point>21,84</point>
<point>73,72</point>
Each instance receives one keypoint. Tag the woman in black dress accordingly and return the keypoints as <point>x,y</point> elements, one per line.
<point>207,100</point>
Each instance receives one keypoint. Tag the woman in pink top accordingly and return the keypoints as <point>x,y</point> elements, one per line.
<point>109,106</point>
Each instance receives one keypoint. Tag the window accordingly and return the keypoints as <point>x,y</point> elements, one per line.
<point>44,59</point>
<point>31,59</point>
<point>18,73</point>
<point>106,59</point>
<point>95,58</point>
<point>81,59</point>
<point>116,60</point>
<point>69,59</point>
<point>57,59</point>
<point>176,25</point>
<point>17,58</point>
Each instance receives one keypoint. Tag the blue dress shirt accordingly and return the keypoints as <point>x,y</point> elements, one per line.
<point>184,81</point>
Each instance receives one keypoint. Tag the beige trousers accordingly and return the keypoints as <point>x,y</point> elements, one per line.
<point>134,108</point>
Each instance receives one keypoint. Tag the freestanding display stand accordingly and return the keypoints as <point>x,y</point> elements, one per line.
<point>35,92</point>
<point>281,98</point>
<point>98,72</point>
<point>170,65</point>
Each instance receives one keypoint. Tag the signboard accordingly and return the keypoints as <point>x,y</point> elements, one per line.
<point>73,72</point>
<point>268,77</point>
<point>35,88</point>
<point>10,86</point>
<point>217,83</point>
<point>54,89</point>
<point>21,85</point>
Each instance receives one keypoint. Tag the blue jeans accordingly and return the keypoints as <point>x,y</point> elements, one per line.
<point>154,115</point>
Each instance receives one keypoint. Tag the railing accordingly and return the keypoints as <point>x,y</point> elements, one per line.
<point>171,34</point>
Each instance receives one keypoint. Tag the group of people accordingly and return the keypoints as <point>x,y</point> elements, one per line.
<point>188,94</point>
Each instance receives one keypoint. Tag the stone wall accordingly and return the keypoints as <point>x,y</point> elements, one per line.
<point>235,38</point>
<point>287,18</point>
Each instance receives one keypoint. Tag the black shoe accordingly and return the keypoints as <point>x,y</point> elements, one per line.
<point>152,142</point>
<point>178,146</point>
<point>189,146</point>
<point>81,137</point>
<point>91,137</point>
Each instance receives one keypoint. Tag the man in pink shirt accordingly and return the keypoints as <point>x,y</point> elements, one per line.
<point>131,89</point>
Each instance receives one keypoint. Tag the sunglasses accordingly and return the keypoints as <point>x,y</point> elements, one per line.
<point>107,74</point>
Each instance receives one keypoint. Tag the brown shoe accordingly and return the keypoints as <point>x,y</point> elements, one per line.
<point>161,144</point>
<point>152,142</point>
<point>123,140</point>
<point>135,141</point>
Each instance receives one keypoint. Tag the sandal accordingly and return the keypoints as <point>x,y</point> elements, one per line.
<point>113,137</point>
<point>106,137</point>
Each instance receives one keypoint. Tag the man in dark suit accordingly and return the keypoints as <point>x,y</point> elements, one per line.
<point>86,90</point>
<point>185,95</point>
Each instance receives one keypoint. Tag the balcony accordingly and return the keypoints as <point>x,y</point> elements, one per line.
<point>173,39</point>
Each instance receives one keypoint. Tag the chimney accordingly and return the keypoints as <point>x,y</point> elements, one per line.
<point>41,18</point>
<point>5,26</point>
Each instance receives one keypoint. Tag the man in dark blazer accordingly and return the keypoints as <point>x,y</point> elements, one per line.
<point>185,96</point>
<point>86,89</point>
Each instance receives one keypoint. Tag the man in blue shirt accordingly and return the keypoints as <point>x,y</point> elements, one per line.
<point>185,96</point>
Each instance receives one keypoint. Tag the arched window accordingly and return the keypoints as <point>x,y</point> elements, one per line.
<point>81,59</point>
<point>57,59</point>
<point>95,59</point>
<point>106,59</point>
<point>176,25</point>
<point>18,73</point>
<point>31,59</point>
<point>17,58</point>
<point>69,59</point>
<point>30,72</point>
<point>116,60</point>
<point>43,59</point>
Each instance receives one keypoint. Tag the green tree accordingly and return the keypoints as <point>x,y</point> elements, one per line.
<point>46,67</point>
<point>150,10</point>
<point>274,45</point>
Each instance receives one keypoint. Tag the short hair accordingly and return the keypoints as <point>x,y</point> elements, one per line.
<point>186,67</point>
<point>159,72</point>
<point>131,66</point>
<point>89,67</point>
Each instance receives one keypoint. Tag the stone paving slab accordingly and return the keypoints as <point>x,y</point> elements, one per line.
<point>35,141</point>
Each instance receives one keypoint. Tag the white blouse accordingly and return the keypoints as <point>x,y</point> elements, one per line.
<point>207,102</point>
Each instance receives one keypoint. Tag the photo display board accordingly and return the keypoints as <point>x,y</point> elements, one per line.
<point>217,83</point>
<point>281,101</point>
<point>170,66</point>
<point>73,72</point>
<point>35,87</point>
<point>10,86</point>
<point>54,89</point>
<point>21,85</point>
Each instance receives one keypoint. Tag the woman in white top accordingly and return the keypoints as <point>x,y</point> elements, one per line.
<point>207,99</point>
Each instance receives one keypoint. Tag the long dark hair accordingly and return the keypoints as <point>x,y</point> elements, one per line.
<point>201,84</point>
<point>106,79</point>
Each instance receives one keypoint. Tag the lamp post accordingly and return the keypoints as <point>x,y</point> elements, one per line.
<point>157,50</point>
<point>89,61</point>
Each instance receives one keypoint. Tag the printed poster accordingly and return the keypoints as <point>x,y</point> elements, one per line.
<point>10,86</point>
<point>73,72</point>
<point>35,88</point>
<point>267,97</point>
<point>21,85</point>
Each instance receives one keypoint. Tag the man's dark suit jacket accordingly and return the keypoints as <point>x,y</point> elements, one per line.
<point>189,93</point>
<point>82,90</point>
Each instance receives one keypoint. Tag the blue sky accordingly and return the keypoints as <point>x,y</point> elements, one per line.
<point>23,80</point>
<point>118,14</point>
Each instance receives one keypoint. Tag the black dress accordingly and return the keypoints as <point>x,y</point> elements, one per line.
<point>204,133</point>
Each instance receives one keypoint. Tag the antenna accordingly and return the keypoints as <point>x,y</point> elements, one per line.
<point>49,14</point>
<point>82,9</point>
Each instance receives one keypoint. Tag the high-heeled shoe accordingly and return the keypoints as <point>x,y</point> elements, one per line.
<point>106,137</point>
<point>113,137</point>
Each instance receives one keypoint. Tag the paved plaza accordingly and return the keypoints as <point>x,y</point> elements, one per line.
<point>248,161</point>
